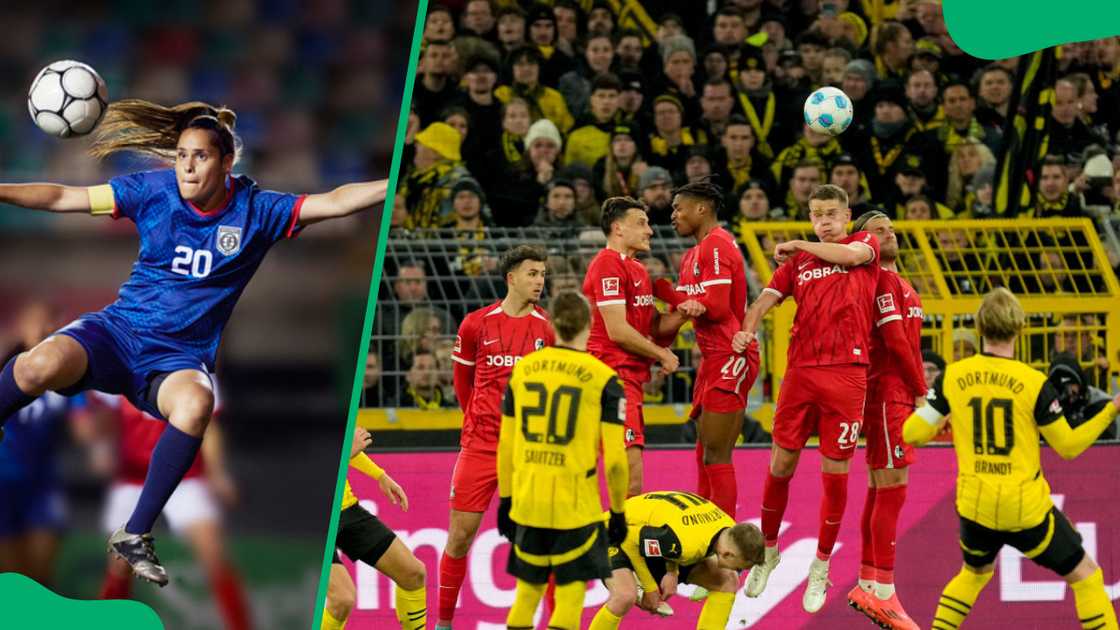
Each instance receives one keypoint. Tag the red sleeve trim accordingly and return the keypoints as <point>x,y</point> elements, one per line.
<point>293,226</point>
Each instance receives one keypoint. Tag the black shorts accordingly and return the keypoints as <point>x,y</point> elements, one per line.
<point>656,566</point>
<point>573,555</point>
<point>1053,544</point>
<point>361,536</point>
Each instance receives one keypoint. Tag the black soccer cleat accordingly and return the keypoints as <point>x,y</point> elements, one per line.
<point>138,552</point>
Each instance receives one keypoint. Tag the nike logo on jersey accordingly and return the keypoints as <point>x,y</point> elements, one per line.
<point>906,295</point>
<point>486,343</point>
<point>637,283</point>
<point>804,265</point>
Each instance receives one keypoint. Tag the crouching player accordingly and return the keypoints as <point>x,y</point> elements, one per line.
<point>678,537</point>
<point>560,407</point>
<point>998,407</point>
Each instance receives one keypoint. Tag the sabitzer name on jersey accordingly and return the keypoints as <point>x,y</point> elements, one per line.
<point>547,458</point>
<point>819,272</point>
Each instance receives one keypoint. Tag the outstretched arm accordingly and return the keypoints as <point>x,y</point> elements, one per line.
<point>846,254</point>
<point>48,197</point>
<point>342,201</point>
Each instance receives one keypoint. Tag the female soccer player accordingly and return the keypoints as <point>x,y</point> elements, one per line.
<point>203,233</point>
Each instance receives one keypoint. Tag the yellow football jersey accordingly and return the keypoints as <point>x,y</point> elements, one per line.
<point>996,406</point>
<point>552,412</point>
<point>677,527</point>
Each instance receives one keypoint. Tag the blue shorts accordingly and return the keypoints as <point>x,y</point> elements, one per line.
<point>27,506</point>
<point>121,361</point>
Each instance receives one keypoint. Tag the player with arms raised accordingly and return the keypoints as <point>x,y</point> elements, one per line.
<point>562,405</point>
<point>894,380</point>
<point>491,341</point>
<point>833,282</point>
<point>203,234</point>
<point>624,321</point>
<point>712,288</point>
<point>998,407</point>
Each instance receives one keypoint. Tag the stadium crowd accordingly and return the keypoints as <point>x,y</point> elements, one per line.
<point>526,116</point>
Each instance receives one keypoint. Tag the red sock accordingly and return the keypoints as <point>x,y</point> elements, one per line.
<point>884,525</point>
<point>775,495</point>
<point>451,574</point>
<point>832,511</point>
<point>867,555</point>
<point>231,598</point>
<point>550,595</point>
<point>703,484</point>
<point>116,586</point>
<point>725,491</point>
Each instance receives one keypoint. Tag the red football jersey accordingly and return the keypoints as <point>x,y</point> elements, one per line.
<point>615,279</point>
<point>716,260</point>
<point>492,342</point>
<point>137,434</point>
<point>834,306</point>
<point>895,300</point>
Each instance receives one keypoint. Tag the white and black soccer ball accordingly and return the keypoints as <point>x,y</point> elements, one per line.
<point>828,111</point>
<point>67,99</point>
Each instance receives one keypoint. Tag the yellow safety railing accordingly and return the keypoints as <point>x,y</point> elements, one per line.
<point>1057,267</point>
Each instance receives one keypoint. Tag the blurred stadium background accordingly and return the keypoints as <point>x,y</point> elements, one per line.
<point>317,87</point>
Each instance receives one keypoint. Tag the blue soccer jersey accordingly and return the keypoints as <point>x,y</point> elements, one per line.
<point>31,435</point>
<point>193,265</point>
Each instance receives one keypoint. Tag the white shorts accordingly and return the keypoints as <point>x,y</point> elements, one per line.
<point>191,503</point>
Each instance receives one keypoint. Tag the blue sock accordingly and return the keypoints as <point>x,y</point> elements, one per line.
<point>12,398</point>
<point>171,458</point>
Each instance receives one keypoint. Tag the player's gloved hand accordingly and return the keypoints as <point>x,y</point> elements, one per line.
<point>506,526</point>
<point>616,528</point>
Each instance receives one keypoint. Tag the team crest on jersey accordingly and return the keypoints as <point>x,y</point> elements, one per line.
<point>539,343</point>
<point>229,239</point>
<point>610,286</point>
<point>652,548</point>
<point>885,302</point>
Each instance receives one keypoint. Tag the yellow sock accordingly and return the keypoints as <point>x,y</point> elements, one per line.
<point>716,610</point>
<point>525,601</point>
<point>569,606</point>
<point>330,623</point>
<point>957,599</point>
<point>1094,609</point>
<point>412,608</point>
<point>605,620</point>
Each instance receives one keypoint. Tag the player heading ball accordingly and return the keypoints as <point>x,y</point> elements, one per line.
<point>561,407</point>
<point>203,233</point>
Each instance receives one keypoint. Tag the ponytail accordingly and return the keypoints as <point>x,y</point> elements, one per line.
<point>144,127</point>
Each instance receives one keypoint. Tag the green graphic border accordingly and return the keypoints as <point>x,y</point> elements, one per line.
<point>997,29</point>
<point>371,308</point>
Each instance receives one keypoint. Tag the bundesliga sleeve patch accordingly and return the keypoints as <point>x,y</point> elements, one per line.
<point>651,548</point>
<point>610,286</point>
<point>885,302</point>
<point>458,347</point>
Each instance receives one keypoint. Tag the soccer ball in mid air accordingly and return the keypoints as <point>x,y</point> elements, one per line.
<point>828,111</point>
<point>67,98</point>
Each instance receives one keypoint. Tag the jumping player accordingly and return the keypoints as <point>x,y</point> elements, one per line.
<point>894,380</point>
<point>625,322</point>
<point>193,511</point>
<point>998,407</point>
<point>491,341</point>
<point>364,538</point>
<point>203,233</point>
<point>561,406</point>
<point>833,282</point>
<point>712,289</point>
<point>678,537</point>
